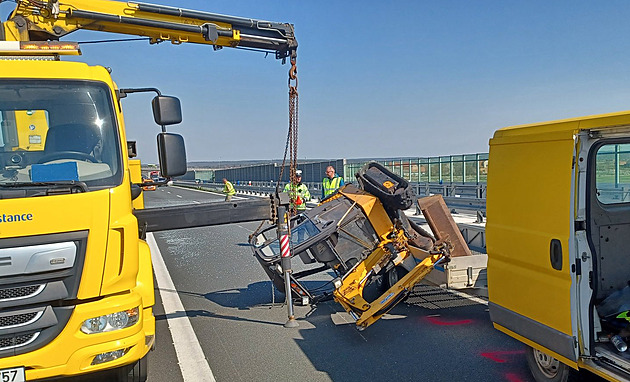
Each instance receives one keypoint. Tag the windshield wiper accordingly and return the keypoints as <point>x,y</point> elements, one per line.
<point>52,188</point>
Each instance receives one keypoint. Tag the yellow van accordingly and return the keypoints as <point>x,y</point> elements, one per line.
<point>558,243</point>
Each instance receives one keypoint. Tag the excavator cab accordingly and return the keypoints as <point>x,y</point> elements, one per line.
<point>329,240</point>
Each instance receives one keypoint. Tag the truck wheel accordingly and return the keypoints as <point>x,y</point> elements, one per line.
<point>545,368</point>
<point>134,373</point>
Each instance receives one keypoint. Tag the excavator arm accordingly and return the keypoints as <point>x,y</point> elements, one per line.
<point>42,20</point>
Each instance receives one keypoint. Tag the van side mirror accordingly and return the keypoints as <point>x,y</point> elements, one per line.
<point>172,154</point>
<point>166,110</point>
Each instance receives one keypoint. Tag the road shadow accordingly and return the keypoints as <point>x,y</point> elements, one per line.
<point>204,313</point>
<point>261,294</point>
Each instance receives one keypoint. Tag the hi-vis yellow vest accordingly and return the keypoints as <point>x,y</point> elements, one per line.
<point>330,185</point>
<point>228,188</point>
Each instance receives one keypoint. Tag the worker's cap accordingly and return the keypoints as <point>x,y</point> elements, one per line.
<point>298,172</point>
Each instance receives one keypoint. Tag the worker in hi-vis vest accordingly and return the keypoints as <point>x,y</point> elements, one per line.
<point>228,190</point>
<point>331,182</point>
<point>299,192</point>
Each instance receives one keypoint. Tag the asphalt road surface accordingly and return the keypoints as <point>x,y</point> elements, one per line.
<point>238,322</point>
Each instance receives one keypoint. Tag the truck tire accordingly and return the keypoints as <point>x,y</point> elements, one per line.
<point>545,368</point>
<point>134,373</point>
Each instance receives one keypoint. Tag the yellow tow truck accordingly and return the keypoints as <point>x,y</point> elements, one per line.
<point>558,223</point>
<point>76,281</point>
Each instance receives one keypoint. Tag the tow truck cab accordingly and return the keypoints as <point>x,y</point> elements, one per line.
<point>76,281</point>
<point>558,221</point>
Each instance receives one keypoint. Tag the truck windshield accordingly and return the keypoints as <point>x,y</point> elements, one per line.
<point>58,131</point>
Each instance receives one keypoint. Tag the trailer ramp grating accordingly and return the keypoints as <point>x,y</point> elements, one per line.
<point>431,297</point>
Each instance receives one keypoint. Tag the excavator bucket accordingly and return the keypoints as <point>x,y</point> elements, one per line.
<point>442,224</point>
<point>359,247</point>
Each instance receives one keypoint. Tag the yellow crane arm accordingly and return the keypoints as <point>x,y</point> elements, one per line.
<point>42,20</point>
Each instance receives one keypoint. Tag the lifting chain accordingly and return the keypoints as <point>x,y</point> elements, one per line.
<point>293,128</point>
<point>292,141</point>
<point>292,136</point>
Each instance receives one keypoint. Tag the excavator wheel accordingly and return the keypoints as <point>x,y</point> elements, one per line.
<point>393,276</point>
<point>374,288</point>
<point>382,282</point>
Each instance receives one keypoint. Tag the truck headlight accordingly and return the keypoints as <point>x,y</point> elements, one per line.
<point>109,322</point>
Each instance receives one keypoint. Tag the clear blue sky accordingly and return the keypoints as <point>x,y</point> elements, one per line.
<point>380,79</point>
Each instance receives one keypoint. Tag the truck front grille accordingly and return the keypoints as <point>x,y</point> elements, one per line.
<point>20,292</point>
<point>13,342</point>
<point>37,292</point>
<point>18,320</point>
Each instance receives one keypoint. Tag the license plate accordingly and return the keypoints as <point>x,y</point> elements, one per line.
<point>15,374</point>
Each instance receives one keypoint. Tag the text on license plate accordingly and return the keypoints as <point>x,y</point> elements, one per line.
<point>15,374</point>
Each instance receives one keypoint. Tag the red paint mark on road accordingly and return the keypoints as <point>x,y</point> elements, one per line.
<point>496,356</point>
<point>437,321</point>
<point>511,377</point>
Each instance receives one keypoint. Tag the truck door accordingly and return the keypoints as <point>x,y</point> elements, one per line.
<point>529,236</point>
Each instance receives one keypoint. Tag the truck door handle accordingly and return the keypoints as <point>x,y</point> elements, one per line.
<point>555,254</point>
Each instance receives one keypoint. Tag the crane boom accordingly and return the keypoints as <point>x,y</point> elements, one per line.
<point>44,20</point>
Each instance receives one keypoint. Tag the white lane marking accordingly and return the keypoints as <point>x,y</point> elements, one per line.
<point>197,190</point>
<point>192,361</point>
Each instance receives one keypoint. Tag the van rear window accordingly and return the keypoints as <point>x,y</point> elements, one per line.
<point>613,173</point>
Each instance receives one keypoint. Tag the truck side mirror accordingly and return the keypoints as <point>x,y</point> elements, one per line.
<point>172,154</point>
<point>166,110</point>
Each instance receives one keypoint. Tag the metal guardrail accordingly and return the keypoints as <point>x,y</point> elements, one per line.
<point>475,204</point>
<point>256,188</point>
<point>613,194</point>
<point>477,191</point>
<point>456,196</point>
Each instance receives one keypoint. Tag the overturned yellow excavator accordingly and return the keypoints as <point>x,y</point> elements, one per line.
<point>358,246</point>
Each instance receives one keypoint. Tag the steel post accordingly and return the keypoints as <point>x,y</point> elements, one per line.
<point>285,253</point>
